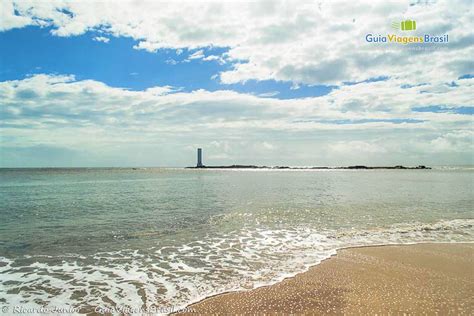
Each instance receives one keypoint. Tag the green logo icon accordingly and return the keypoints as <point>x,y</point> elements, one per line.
<point>407,25</point>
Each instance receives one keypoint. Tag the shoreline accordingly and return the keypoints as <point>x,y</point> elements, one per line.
<point>220,302</point>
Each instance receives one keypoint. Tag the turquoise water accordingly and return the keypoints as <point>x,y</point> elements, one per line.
<point>92,238</point>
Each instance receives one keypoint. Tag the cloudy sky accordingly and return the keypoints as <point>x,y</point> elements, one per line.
<point>144,83</point>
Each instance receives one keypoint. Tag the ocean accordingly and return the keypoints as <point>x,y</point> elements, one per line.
<point>94,238</point>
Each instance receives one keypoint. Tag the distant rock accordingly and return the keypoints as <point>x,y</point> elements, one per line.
<point>357,167</point>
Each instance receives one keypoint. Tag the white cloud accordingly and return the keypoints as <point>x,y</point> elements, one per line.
<point>161,90</point>
<point>351,147</point>
<point>197,55</point>
<point>454,141</point>
<point>268,146</point>
<point>219,59</point>
<point>269,94</point>
<point>211,57</point>
<point>101,39</point>
<point>200,55</point>
<point>304,42</point>
<point>364,123</point>
<point>171,61</point>
<point>8,18</point>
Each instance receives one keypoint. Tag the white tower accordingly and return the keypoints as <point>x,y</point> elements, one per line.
<point>199,163</point>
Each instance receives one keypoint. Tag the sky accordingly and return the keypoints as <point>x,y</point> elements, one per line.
<point>145,83</point>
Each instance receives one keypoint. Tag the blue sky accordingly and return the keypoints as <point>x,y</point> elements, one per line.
<point>32,50</point>
<point>263,82</point>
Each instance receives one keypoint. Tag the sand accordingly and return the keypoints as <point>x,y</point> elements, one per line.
<point>396,280</point>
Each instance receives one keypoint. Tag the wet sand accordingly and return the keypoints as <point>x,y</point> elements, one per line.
<point>409,279</point>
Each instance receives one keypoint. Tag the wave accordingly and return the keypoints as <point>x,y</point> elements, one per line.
<point>174,276</point>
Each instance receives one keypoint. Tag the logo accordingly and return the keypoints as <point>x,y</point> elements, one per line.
<point>407,25</point>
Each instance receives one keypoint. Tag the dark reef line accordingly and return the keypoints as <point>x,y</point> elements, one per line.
<point>304,168</point>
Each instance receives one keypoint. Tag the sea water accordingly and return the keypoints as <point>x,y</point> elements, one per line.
<point>94,239</point>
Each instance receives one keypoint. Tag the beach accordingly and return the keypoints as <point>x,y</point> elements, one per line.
<point>120,238</point>
<point>236,157</point>
<point>435,278</point>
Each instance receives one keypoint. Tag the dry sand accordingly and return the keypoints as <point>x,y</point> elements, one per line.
<point>396,280</point>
